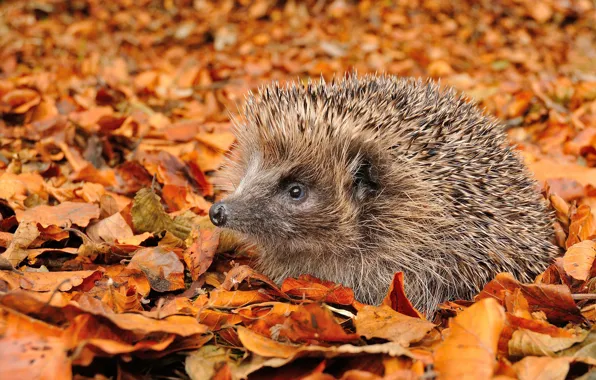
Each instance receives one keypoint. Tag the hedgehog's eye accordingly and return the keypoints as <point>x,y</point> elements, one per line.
<point>297,191</point>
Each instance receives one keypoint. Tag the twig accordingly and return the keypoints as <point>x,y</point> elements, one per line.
<point>590,296</point>
<point>56,289</point>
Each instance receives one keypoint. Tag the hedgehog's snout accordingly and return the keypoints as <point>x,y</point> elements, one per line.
<point>218,213</point>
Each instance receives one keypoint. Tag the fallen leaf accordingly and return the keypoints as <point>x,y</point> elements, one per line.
<point>148,215</point>
<point>163,268</point>
<point>581,225</point>
<point>542,368</point>
<point>396,298</point>
<point>62,215</point>
<point>579,258</point>
<point>16,251</point>
<point>309,287</point>
<point>110,229</point>
<point>21,100</point>
<point>529,343</point>
<point>384,322</point>
<point>34,357</point>
<point>200,252</point>
<point>554,300</point>
<point>471,347</point>
<point>223,299</point>
<point>63,281</point>
<point>264,346</point>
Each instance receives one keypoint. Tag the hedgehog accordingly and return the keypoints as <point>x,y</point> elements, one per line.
<point>366,176</point>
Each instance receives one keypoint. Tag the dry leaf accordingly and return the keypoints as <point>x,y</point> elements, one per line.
<point>579,258</point>
<point>396,298</point>
<point>200,252</point>
<point>529,343</point>
<point>163,269</point>
<point>386,323</point>
<point>309,287</point>
<point>542,368</point>
<point>148,215</point>
<point>471,347</point>
<point>62,215</point>
<point>110,229</point>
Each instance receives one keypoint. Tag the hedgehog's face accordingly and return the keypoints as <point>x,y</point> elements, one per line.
<point>283,203</point>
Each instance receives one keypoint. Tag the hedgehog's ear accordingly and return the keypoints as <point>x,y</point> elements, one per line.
<point>365,179</point>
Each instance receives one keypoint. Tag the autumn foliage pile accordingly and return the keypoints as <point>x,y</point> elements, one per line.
<point>116,114</point>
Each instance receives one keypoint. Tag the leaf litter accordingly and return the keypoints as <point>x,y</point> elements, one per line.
<point>114,118</point>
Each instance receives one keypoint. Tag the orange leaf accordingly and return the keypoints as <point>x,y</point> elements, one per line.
<point>307,323</point>
<point>264,346</point>
<point>219,141</point>
<point>309,287</point>
<point>64,214</point>
<point>554,300</point>
<point>243,272</point>
<point>21,100</point>
<point>384,322</point>
<point>396,298</point>
<point>64,281</point>
<point>34,357</point>
<point>543,368</point>
<point>223,299</point>
<point>217,319</point>
<point>163,268</point>
<point>179,198</point>
<point>579,258</point>
<point>199,255</point>
<point>470,349</point>
<point>582,225</point>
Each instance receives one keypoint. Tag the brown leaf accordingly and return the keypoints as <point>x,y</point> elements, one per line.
<point>242,273</point>
<point>110,229</point>
<point>527,343</point>
<point>91,337</point>
<point>386,323</point>
<point>554,300</point>
<point>542,368</point>
<point>25,234</point>
<point>163,268</point>
<point>148,215</point>
<point>62,215</point>
<point>471,347</point>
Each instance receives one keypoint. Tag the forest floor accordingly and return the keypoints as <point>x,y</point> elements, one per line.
<point>115,115</point>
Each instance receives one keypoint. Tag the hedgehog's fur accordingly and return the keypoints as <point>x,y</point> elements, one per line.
<point>401,176</point>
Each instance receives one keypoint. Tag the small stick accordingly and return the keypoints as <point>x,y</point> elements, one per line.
<point>590,296</point>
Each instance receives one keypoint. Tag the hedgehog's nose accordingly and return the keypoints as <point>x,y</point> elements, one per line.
<point>218,213</point>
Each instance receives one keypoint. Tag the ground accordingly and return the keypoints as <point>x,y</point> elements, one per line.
<point>116,115</point>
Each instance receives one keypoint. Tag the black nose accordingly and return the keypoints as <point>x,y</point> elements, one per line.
<point>218,213</point>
